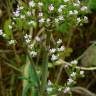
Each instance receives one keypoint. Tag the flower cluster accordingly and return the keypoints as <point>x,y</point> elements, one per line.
<point>10,41</point>
<point>49,86</point>
<point>46,14</point>
<point>71,81</point>
<point>30,45</point>
<point>43,13</point>
<point>54,52</point>
<point>74,74</point>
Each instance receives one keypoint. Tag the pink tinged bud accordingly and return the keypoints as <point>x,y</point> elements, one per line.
<point>51,7</point>
<point>1,32</point>
<point>66,90</point>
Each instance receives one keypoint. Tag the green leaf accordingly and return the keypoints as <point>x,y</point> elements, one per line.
<point>89,57</point>
<point>23,78</point>
<point>92,5</point>
<point>63,27</point>
<point>26,89</point>
<point>7,31</point>
<point>32,81</point>
<point>19,24</point>
<point>32,76</point>
<point>34,92</point>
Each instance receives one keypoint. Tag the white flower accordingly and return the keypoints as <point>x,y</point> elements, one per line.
<point>31,22</point>
<point>14,18</point>
<point>71,12</point>
<point>66,90</point>
<point>66,0</point>
<point>13,23</point>
<point>60,10</point>
<point>33,53</point>
<point>51,7</point>
<point>81,72</point>
<point>70,80</point>
<point>41,20</point>
<point>78,20</point>
<point>54,57</point>
<point>4,35</point>
<point>27,36</point>
<point>10,27</point>
<point>75,12</point>
<point>59,89</point>
<point>31,3</point>
<point>37,38</point>
<point>61,18</point>
<point>40,14</point>
<point>30,36</point>
<point>74,62</point>
<point>53,50</point>
<point>40,4</point>
<point>78,1</point>
<point>22,16</point>
<point>28,40</point>
<point>73,74</point>
<point>49,89</point>
<point>1,32</point>
<point>17,13</point>
<point>66,65</point>
<point>85,18</point>
<point>29,13</point>
<point>48,20</point>
<point>62,48</point>
<point>21,7</point>
<point>12,42</point>
<point>59,41</point>
<point>62,6</point>
<point>76,4</point>
<point>56,20</point>
<point>49,83</point>
<point>84,8</point>
<point>30,46</point>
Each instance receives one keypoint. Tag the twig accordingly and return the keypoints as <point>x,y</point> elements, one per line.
<point>91,83</point>
<point>10,64</point>
<point>13,67</point>
<point>1,83</point>
<point>60,62</point>
<point>86,92</point>
<point>5,51</point>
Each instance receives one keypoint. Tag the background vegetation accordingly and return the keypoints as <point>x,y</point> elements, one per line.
<point>81,40</point>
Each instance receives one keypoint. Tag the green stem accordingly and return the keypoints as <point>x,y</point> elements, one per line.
<point>62,62</point>
<point>45,65</point>
<point>44,72</point>
<point>62,67</point>
<point>33,66</point>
